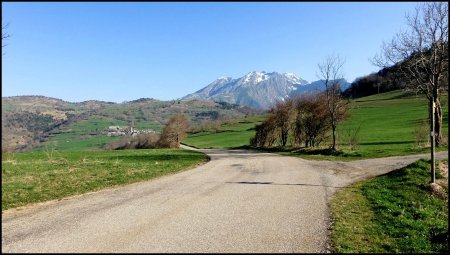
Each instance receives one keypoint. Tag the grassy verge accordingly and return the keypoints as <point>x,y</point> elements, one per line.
<point>221,139</point>
<point>395,212</point>
<point>347,155</point>
<point>45,175</point>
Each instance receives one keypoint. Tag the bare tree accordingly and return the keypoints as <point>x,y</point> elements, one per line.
<point>330,71</point>
<point>174,131</point>
<point>265,135</point>
<point>299,123</point>
<point>306,115</point>
<point>283,119</point>
<point>312,118</point>
<point>5,34</point>
<point>421,55</point>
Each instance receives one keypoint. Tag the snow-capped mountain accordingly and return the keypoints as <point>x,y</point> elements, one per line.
<point>255,89</point>
<point>258,89</point>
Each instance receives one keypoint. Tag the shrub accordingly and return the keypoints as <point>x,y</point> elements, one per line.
<point>421,134</point>
<point>174,132</point>
<point>140,141</point>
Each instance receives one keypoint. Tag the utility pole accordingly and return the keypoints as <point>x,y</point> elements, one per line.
<point>433,179</point>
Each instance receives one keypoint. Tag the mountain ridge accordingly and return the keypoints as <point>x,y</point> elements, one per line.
<point>257,89</point>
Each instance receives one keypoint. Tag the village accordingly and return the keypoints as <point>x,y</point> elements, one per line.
<point>122,131</point>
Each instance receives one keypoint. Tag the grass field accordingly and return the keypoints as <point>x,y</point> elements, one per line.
<point>38,176</point>
<point>387,124</point>
<point>76,142</point>
<point>82,135</point>
<point>392,213</point>
<point>230,135</point>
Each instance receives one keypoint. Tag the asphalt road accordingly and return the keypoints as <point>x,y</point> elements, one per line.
<point>240,201</point>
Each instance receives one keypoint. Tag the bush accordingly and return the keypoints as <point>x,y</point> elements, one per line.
<point>174,132</point>
<point>306,117</point>
<point>141,141</point>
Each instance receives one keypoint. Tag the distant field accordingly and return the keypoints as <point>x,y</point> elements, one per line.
<point>27,120</point>
<point>82,135</point>
<point>229,136</point>
<point>31,177</point>
<point>387,123</point>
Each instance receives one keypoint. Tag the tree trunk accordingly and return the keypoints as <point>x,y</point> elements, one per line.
<point>438,121</point>
<point>433,139</point>
<point>334,137</point>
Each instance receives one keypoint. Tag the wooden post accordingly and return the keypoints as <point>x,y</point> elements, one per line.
<point>433,105</point>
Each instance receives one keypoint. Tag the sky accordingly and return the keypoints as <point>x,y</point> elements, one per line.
<point>122,51</point>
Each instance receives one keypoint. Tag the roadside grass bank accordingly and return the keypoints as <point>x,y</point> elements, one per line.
<point>39,176</point>
<point>395,212</point>
<point>343,154</point>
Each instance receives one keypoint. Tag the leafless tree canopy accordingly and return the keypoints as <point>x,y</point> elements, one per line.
<point>265,133</point>
<point>330,71</point>
<point>423,49</point>
<point>421,53</point>
<point>304,118</point>
<point>174,131</point>
<point>311,120</point>
<point>5,34</point>
<point>283,119</point>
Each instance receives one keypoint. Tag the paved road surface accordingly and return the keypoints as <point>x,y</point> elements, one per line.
<point>240,201</point>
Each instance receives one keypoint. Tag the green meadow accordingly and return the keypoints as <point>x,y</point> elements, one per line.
<point>230,135</point>
<point>386,122</point>
<point>392,213</point>
<point>82,135</point>
<point>38,176</point>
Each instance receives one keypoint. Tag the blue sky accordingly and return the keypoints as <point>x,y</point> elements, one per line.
<point>121,51</point>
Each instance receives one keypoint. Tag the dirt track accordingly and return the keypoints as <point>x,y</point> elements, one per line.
<point>240,201</point>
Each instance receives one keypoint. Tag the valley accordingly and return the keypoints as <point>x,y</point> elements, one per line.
<point>58,155</point>
<point>31,122</point>
<point>278,127</point>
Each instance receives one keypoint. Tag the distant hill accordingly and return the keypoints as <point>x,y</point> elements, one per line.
<point>27,121</point>
<point>318,86</point>
<point>382,81</point>
<point>387,79</point>
<point>257,89</point>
